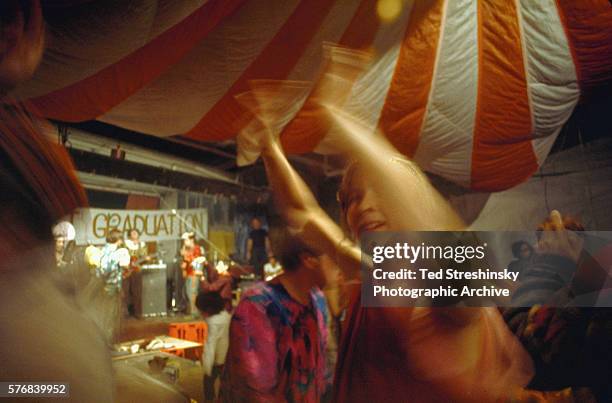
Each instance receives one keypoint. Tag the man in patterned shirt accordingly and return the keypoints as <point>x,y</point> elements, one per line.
<point>114,259</point>
<point>278,335</point>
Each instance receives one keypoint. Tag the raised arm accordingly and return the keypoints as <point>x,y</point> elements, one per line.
<point>303,214</point>
<point>406,197</point>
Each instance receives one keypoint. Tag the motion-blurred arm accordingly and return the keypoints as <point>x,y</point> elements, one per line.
<point>300,209</point>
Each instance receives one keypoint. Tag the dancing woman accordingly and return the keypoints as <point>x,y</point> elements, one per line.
<point>396,354</point>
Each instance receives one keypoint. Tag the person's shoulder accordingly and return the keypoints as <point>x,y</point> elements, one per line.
<point>254,302</point>
<point>259,292</point>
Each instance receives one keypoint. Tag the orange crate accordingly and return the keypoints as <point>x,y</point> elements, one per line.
<point>192,331</point>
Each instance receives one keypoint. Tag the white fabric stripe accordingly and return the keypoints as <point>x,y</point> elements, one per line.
<point>177,101</point>
<point>97,35</point>
<point>445,146</point>
<point>331,30</point>
<point>521,25</point>
<point>370,91</point>
<point>551,74</point>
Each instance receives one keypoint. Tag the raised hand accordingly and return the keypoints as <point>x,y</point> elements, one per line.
<point>555,239</point>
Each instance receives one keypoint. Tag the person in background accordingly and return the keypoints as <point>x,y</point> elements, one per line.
<point>192,256</point>
<point>114,260</point>
<point>56,337</point>
<point>53,335</point>
<point>212,308</point>
<point>272,269</point>
<point>137,248</point>
<point>60,243</point>
<point>337,302</point>
<point>70,258</point>
<point>278,335</point>
<point>258,246</point>
<point>420,354</point>
<point>219,279</point>
<point>523,255</point>
<point>569,343</point>
<point>139,254</point>
<point>64,235</point>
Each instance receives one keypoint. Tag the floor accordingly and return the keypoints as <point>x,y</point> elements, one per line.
<point>134,378</point>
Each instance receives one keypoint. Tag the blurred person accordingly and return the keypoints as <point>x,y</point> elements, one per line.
<point>114,262</point>
<point>212,308</point>
<point>337,302</point>
<point>546,273</point>
<point>92,256</point>
<point>278,335</point>
<point>132,283</point>
<point>569,343</point>
<point>272,268</point>
<point>138,249</point>
<point>54,337</point>
<point>391,354</point>
<point>192,268</point>
<point>59,252</point>
<point>523,253</point>
<point>221,282</point>
<point>64,234</point>
<point>258,246</point>
<point>70,258</point>
<point>59,336</point>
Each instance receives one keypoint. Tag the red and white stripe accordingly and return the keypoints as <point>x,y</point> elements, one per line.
<point>474,91</point>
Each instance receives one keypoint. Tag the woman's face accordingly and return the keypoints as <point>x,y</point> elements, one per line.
<point>361,204</point>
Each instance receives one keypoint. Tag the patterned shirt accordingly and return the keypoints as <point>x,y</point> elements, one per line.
<point>277,348</point>
<point>111,262</point>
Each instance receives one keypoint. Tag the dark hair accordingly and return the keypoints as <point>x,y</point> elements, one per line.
<point>516,248</point>
<point>210,302</point>
<point>291,251</point>
<point>114,235</point>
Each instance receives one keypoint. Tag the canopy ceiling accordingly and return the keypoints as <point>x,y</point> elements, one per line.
<point>474,91</point>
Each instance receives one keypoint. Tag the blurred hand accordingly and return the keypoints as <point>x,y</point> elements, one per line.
<point>556,240</point>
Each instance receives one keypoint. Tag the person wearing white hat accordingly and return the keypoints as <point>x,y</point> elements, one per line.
<point>64,234</point>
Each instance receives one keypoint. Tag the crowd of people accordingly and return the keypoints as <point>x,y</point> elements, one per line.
<point>274,345</point>
<point>279,333</point>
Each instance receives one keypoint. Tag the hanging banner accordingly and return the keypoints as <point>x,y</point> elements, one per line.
<point>93,224</point>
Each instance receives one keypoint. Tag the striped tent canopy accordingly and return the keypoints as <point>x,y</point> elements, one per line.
<point>474,90</point>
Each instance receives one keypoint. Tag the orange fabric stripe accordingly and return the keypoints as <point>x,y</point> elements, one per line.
<point>226,118</point>
<point>402,115</point>
<point>309,127</point>
<point>588,26</point>
<point>502,154</point>
<point>97,94</point>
